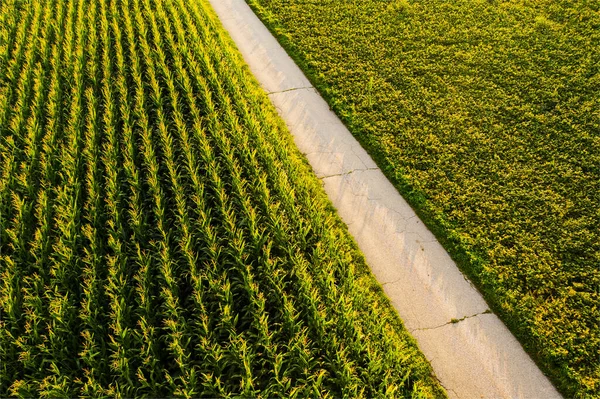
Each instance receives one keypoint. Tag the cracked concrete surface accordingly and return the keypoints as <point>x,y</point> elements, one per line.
<point>472,353</point>
<point>292,89</point>
<point>453,321</point>
<point>346,173</point>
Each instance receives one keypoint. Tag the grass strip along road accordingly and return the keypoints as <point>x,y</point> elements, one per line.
<point>486,116</point>
<point>160,234</point>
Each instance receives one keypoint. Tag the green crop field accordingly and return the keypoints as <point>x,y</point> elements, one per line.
<point>160,235</point>
<point>485,114</point>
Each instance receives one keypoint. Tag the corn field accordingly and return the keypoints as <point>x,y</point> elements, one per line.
<point>160,235</point>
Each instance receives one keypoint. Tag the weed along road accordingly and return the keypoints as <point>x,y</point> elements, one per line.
<point>472,353</point>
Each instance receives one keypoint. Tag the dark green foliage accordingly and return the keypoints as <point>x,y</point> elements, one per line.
<point>486,116</point>
<point>160,235</point>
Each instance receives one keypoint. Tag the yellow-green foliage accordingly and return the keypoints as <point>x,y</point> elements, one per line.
<point>160,235</point>
<point>486,115</point>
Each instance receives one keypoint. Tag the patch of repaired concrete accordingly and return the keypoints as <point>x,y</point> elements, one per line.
<point>472,353</point>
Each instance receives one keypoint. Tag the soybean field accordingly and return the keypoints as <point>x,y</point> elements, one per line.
<point>160,235</point>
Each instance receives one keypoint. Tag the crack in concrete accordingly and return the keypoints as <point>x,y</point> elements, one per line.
<point>358,156</point>
<point>347,173</point>
<point>407,230</point>
<point>292,89</point>
<point>402,218</point>
<point>391,282</point>
<point>452,321</point>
